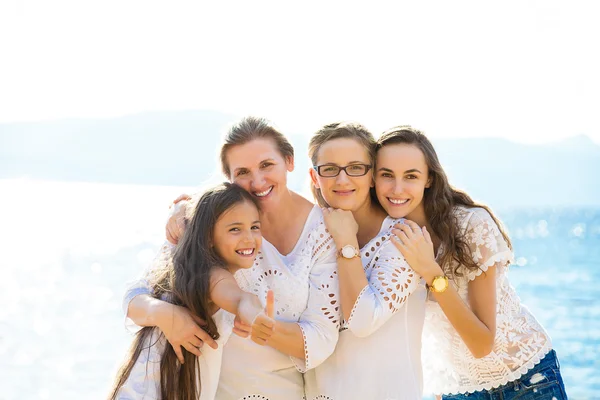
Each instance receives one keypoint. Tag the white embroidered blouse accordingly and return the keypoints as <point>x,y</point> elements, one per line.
<point>381,341</point>
<point>520,342</point>
<point>305,286</point>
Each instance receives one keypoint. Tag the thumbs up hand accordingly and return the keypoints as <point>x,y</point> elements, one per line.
<point>264,324</point>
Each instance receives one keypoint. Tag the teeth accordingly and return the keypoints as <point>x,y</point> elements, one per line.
<point>247,252</point>
<point>263,194</point>
<point>396,201</point>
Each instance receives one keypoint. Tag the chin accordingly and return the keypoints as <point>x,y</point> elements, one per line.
<point>247,266</point>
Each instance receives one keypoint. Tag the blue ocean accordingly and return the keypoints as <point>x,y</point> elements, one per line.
<point>69,249</point>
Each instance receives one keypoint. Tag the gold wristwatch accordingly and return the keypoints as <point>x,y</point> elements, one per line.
<point>439,284</point>
<point>349,252</point>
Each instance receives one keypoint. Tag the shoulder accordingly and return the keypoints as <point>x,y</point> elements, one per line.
<point>218,274</point>
<point>469,217</point>
<point>315,219</point>
<point>315,230</point>
<point>318,243</point>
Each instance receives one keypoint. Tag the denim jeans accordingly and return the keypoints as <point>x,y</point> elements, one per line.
<point>542,382</point>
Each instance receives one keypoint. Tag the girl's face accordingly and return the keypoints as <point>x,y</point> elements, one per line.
<point>259,167</point>
<point>344,191</point>
<point>237,236</point>
<point>401,179</point>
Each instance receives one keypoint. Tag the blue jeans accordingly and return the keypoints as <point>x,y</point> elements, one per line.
<point>542,382</point>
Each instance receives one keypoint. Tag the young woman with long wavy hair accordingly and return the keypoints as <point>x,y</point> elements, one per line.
<point>479,341</point>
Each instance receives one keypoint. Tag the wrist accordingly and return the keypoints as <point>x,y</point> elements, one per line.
<point>346,240</point>
<point>431,272</point>
<point>158,313</point>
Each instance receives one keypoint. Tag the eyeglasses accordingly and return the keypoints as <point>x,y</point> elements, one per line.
<point>331,171</point>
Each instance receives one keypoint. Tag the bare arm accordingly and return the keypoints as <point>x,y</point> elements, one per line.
<point>475,322</point>
<point>288,339</point>
<point>181,328</point>
<point>226,294</point>
<point>283,336</point>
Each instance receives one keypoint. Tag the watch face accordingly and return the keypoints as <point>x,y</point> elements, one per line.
<point>348,251</point>
<point>439,284</point>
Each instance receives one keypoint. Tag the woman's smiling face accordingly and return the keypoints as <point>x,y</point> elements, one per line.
<point>259,168</point>
<point>401,178</point>
<point>343,191</point>
<point>237,236</point>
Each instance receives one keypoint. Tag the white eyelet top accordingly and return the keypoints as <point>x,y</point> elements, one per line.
<point>378,355</point>
<point>520,343</point>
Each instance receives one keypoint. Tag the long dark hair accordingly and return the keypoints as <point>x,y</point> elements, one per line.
<point>340,130</point>
<point>184,279</point>
<point>440,200</point>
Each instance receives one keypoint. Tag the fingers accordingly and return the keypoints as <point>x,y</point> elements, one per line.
<point>205,337</point>
<point>416,229</point>
<point>402,236</point>
<point>241,325</point>
<point>172,231</point>
<point>194,350</point>
<point>241,329</point>
<point>270,304</point>
<point>178,353</point>
<point>262,329</point>
<point>259,341</point>
<point>240,332</point>
<point>181,197</point>
<point>170,238</point>
<point>201,333</point>
<point>427,236</point>
<point>195,341</point>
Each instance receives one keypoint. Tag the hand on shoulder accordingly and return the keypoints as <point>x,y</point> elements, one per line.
<point>176,222</point>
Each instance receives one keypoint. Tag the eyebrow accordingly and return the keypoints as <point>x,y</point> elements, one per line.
<point>406,172</point>
<point>260,162</point>
<point>241,223</point>
<point>350,162</point>
<point>385,170</point>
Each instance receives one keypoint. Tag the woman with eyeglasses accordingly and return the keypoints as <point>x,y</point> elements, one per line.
<point>378,354</point>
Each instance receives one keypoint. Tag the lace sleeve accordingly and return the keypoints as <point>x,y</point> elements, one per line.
<point>320,320</point>
<point>142,285</point>
<point>488,247</point>
<point>391,281</point>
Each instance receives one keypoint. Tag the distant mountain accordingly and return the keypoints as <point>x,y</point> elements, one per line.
<point>180,148</point>
<point>162,148</point>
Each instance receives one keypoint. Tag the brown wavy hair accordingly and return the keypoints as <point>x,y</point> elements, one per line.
<point>183,279</point>
<point>340,130</point>
<point>249,129</point>
<point>440,200</point>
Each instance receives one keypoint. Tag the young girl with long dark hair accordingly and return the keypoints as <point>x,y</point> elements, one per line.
<point>222,237</point>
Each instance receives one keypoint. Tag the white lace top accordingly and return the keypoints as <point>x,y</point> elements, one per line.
<point>305,286</point>
<point>521,341</point>
<point>378,355</point>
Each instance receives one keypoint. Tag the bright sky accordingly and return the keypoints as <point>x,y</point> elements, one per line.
<point>524,70</point>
